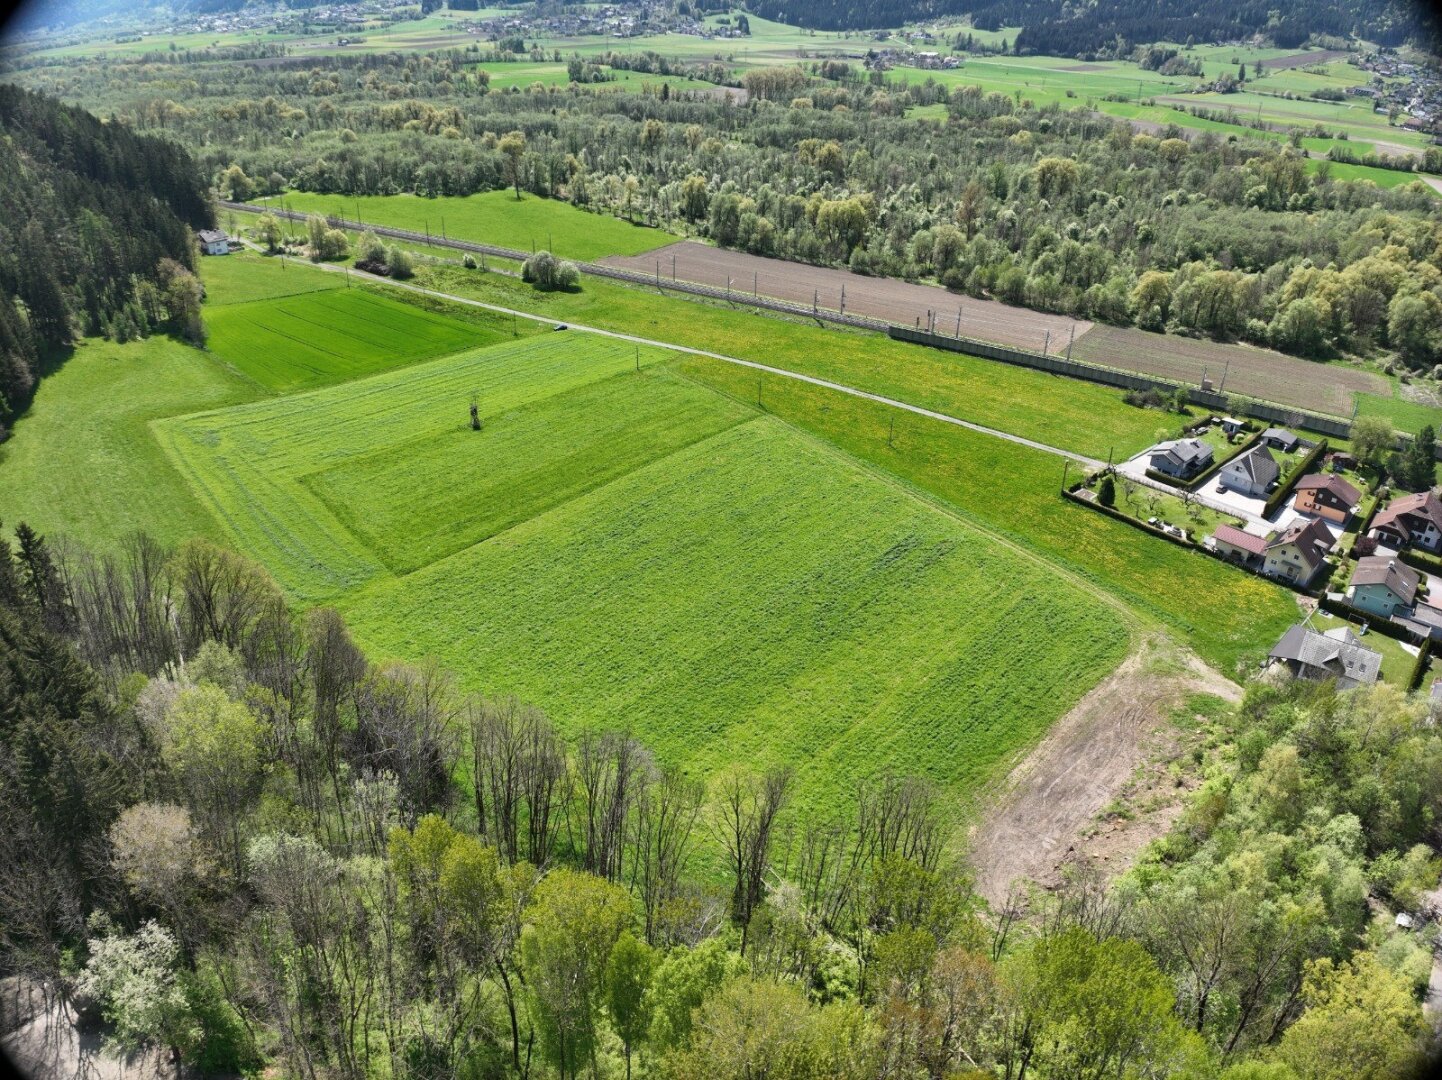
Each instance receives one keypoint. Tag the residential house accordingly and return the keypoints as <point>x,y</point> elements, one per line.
<point>1251,473</point>
<point>1296,553</point>
<point>1326,495</point>
<point>1423,620</point>
<point>1182,458</point>
<point>1236,544</point>
<point>1332,654</point>
<point>1280,439</point>
<point>213,242</point>
<point>1383,586</point>
<point>1410,521</point>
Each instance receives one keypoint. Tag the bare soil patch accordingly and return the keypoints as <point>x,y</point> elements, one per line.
<point>1303,59</point>
<point>1113,746</point>
<point>1258,373</point>
<point>875,297</point>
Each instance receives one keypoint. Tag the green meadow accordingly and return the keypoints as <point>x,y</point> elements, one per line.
<point>311,339</point>
<point>760,597</point>
<point>493,217</point>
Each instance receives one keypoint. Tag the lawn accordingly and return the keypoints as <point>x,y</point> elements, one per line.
<point>1405,415</point>
<point>245,276</point>
<point>493,217</point>
<point>316,338</point>
<point>82,461</point>
<point>1013,491</point>
<point>247,464</point>
<point>1082,417</point>
<point>823,618</point>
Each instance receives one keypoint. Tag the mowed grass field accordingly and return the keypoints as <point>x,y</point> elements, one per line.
<point>247,464</point>
<point>82,461</point>
<point>310,339</point>
<point>1013,491</point>
<point>492,217</point>
<point>760,598</point>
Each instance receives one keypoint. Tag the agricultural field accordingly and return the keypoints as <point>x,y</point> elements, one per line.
<point>1248,370</point>
<point>1081,417</point>
<point>815,622</point>
<point>242,277</point>
<point>1013,492</point>
<point>82,461</point>
<point>296,342</point>
<point>874,297</point>
<point>493,217</point>
<point>248,464</point>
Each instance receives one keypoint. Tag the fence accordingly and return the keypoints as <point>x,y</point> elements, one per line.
<point>1076,369</point>
<point>1127,380</point>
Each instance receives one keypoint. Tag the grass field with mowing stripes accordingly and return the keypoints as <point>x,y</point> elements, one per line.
<point>758,597</point>
<point>311,339</point>
<point>1220,612</point>
<point>246,464</point>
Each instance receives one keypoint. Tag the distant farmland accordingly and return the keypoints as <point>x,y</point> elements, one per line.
<point>493,217</point>
<point>1253,372</point>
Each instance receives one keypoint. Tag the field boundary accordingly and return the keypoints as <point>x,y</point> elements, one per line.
<point>1090,371</point>
<point>1127,380</point>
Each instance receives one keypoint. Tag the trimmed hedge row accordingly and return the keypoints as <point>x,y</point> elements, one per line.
<point>1420,560</point>
<point>1375,623</point>
<point>1419,668</point>
<point>1299,470</point>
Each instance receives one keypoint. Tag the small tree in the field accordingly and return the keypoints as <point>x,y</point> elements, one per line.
<point>1107,493</point>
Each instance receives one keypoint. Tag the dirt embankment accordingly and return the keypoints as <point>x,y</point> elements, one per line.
<point>1114,746</point>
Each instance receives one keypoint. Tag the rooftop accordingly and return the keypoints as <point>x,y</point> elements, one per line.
<point>1401,579</point>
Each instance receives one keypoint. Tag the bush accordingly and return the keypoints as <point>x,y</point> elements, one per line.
<point>1107,493</point>
<point>468,261</point>
<point>401,264</point>
<point>545,271</point>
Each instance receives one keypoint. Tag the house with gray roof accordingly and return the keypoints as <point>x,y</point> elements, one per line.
<point>1280,439</point>
<point>1331,654</point>
<point>1298,551</point>
<point>1383,586</point>
<point>1182,458</point>
<point>1250,473</point>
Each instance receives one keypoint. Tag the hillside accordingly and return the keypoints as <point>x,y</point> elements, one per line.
<point>88,213</point>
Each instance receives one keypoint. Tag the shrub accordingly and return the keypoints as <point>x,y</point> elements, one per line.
<point>1107,493</point>
<point>401,265</point>
<point>545,271</point>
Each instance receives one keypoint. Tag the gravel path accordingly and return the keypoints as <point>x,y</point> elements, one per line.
<point>1089,463</point>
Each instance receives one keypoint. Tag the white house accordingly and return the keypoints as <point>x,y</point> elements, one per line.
<point>213,242</point>
<point>1250,473</point>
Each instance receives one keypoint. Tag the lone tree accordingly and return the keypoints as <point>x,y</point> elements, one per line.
<point>475,413</point>
<point>1107,493</point>
<point>513,146</point>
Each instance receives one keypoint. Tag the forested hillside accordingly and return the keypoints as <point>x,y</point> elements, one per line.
<point>95,235</point>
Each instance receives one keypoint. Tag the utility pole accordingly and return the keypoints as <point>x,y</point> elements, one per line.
<point>958,322</point>
<point>758,391</point>
<point>1046,345</point>
<point>815,301</point>
<point>443,226</point>
<point>673,267</point>
<point>638,358</point>
<point>755,285</point>
<point>658,273</point>
<point>891,431</point>
<point>843,298</point>
<point>1223,385</point>
<point>728,288</point>
<point>1071,339</point>
<point>1066,464</point>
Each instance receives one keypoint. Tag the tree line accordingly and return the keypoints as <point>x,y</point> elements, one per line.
<point>230,834</point>
<point>1056,209</point>
<point>96,228</point>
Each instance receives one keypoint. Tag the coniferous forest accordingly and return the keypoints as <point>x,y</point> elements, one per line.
<point>95,235</point>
